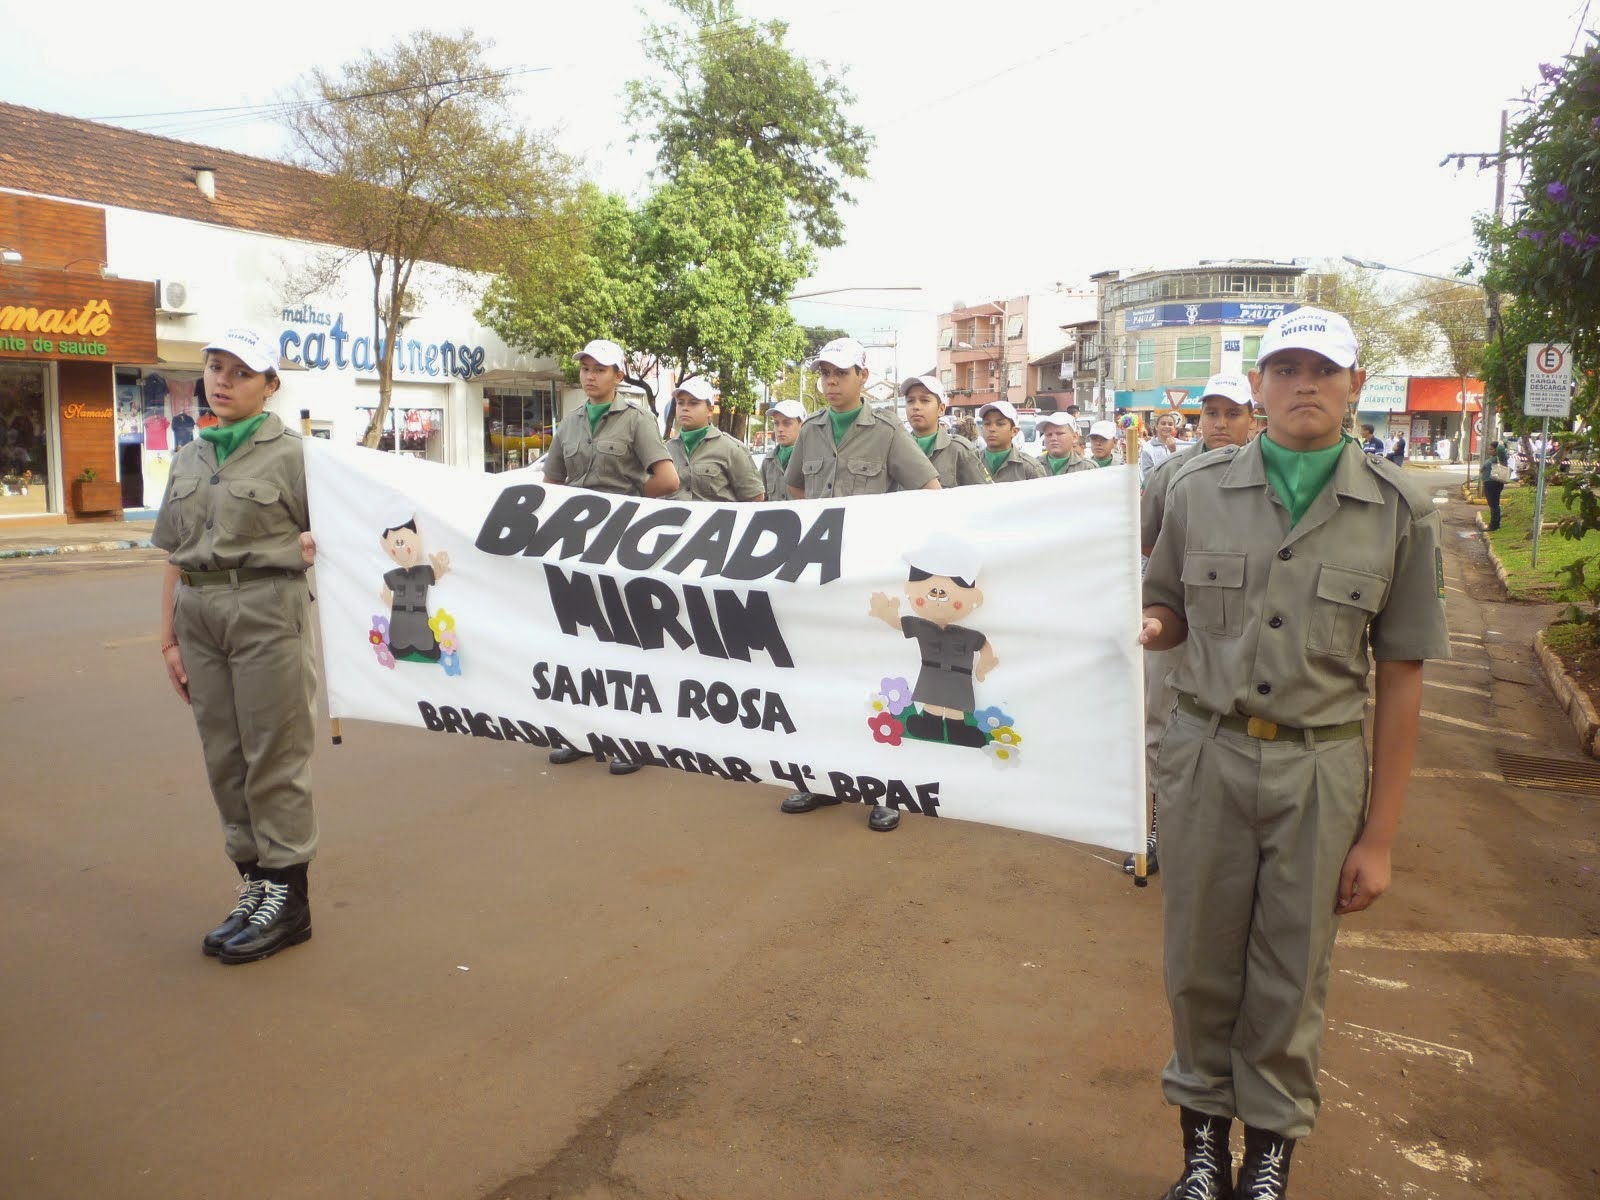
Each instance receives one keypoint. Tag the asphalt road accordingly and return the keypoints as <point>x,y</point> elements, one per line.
<point>542,982</point>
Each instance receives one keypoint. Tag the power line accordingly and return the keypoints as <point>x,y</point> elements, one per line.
<point>1578,32</point>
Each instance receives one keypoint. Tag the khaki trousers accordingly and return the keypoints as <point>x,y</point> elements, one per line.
<point>253,684</point>
<point>1254,836</point>
<point>1159,697</point>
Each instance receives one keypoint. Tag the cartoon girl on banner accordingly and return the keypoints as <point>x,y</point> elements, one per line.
<point>943,591</point>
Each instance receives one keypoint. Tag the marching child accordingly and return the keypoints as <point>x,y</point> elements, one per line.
<point>1005,462</point>
<point>786,417</point>
<point>711,465</point>
<point>952,455</point>
<point>1060,433</point>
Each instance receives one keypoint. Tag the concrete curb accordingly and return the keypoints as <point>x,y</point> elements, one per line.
<point>1574,702</point>
<point>1499,567</point>
<point>80,548</point>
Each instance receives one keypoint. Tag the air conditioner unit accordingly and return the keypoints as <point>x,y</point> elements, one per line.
<point>172,297</point>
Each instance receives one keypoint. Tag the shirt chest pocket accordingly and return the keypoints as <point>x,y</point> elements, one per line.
<point>187,507</point>
<point>249,507</point>
<point>710,475</point>
<point>1346,602</point>
<point>1213,591</point>
<point>611,447</point>
<point>862,477</point>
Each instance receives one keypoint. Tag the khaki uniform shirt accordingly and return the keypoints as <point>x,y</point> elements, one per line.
<point>772,478</point>
<point>876,455</point>
<point>249,512</point>
<point>1153,499</point>
<point>1281,620</point>
<point>956,461</point>
<point>615,458</point>
<point>721,469</point>
<point>1018,466</point>
<point>1075,462</point>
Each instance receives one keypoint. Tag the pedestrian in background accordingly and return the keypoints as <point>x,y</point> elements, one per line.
<point>237,642</point>
<point>1162,446</point>
<point>1397,450</point>
<point>1285,568</point>
<point>1494,473</point>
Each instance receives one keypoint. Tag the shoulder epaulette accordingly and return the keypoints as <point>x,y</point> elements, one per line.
<point>1419,503</point>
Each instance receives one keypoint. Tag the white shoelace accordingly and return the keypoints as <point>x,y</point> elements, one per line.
<point>1200,1181</point>
<point>250,891</point>
<point>1269,1181</point>
<point>272,897</point>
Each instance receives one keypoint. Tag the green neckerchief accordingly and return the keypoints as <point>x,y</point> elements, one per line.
<point>228,438</point>
<point>784,454</point>
<point>692,438</point>
<point>843,421</point>
<point>596,412</point>
<point>1108,461</point>
<point>1057,465</point>
<point>927,442</point>
<point>1298,476</point>
<point>996,458</point>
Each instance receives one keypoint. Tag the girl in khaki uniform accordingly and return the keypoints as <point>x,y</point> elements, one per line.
<point>236,637</point>
<point>711,465</point>
<point>1285,568</point>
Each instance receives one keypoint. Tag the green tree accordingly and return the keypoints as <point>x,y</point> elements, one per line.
<point>423,163</point>
<point>723,256</point>
<point>1388,327</point>
<point>724,80</point>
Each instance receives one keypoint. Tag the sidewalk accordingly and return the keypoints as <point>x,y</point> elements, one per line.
<point>30,541</point>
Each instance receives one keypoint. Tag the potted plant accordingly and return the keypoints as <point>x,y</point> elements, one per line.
<point>91,494</point>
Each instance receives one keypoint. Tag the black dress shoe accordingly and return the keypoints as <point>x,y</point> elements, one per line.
<point>928,728</point>
<point>959,733</point>
<point>882,818</point>
<point>802,802</point>
<point>567,754</point>
<point>621,766</point>
<point>281,920</point>
<point>250,893</point>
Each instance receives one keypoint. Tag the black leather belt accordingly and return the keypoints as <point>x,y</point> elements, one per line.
<point>942,667</point>
<point>1265,730</point>
<point>234,577</point>
<point>422,608</point>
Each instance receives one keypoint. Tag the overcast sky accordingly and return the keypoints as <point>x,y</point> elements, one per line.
<point>1019,146</point>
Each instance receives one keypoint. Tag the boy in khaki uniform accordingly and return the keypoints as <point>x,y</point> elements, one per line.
<point>1285,566</point>
<point>608,445</point>
<point>1060,433</point>
<point>712,465</point>
<point>952,455</point>
<point>786,418</point>
<point>848,450</point>
<point>1005,463</point>
<point>1227,418</point>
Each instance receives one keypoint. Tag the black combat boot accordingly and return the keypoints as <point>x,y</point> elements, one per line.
<point>250,893</point>
<point>1207,1162</point>
<point>282,919</point>
<point>1264,1174</point>
<point>567,754</point>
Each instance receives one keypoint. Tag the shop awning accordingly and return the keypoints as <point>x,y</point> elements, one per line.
<point>1442,394</point>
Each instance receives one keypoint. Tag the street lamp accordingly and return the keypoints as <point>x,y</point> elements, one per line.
<point>1372,265</point>
<point>835,291</point>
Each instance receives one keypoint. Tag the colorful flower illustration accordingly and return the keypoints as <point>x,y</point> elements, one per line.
<point>1002,755</point>
<point>375,638</point>
<point>993,718</point>
<point>1006,736</point>
<point>451,663</point>
<point>876,704</point>
<point>885,728</point>
<point>380,626</point>
<point>441,622</point>
<point>896,694</point>
<point>385,655</point>
<point>448,642</point>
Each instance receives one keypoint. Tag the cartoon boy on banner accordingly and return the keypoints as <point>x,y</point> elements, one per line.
<point>409,634</point>
<point>943,591</point>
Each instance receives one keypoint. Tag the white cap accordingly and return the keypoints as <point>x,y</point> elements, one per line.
<point>931,382</point>
<point>255,350</point>
<point>792,409</point>
<point>1005,408</point>
<point>1315,329</point>
<point>697,386</point>
<point>1229,387</point>
<point>607,354</point>
<point>1057,418</point>
<point>1103,429</point>
<point>843,353</point>
<point>943,554</point>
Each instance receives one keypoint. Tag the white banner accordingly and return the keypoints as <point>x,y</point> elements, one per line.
<point>967,653</point>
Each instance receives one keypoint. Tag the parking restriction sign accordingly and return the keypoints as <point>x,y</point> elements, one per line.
<point>1548,392</point>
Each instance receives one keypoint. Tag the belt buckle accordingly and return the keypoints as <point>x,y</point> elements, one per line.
<point>1260,727</point>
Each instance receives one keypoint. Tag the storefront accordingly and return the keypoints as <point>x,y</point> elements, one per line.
<point>1435,408</point>
<point>61,332</point>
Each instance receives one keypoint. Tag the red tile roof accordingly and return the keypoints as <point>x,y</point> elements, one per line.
<point>53,155</point>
